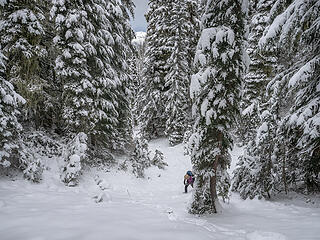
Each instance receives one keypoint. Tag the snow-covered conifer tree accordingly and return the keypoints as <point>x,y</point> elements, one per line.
<point>169,54</point>
<point>140,157</point>
<point>122,34</point>
<point>22,34</point>
<point>221,62</point>
<point>261,70</point>
<point>108,67</point>
<point>184,24</point>
<point>71,66</point>
<point>93,39</point>
<point>158,161</point>
<point>283,156</point>
<point>74,154</point>
<point>257,172</point>
<point>295,32</point>
<point>254,175</point>
<point>9,111</point>
<point>152,101</point>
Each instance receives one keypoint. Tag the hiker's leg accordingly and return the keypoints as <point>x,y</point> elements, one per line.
<point>186,188</point>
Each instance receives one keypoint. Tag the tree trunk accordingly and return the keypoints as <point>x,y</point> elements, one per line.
<point>213,179</point>
<point>284,176</point>
<point>213,185</point>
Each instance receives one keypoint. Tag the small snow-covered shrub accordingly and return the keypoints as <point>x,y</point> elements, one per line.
<point>33,147</point>
<point>123,166</point>
<point>5,163</point>
<point>73,156</point>
<point>140,157</point>
<point>34,171</point>
<point>103,194</point>
<point>72,170</point>
<point>158,160</point>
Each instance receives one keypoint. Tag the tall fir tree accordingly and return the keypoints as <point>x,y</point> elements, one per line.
<point>94,40</point>
<point>257,172</point>
<point>158,107</point>
<point>286,161</point>
<point>221,61</point>
<point>122,35</point>
<point>184,22</point>
<point>72,30</point>
<point>295,33</point>
<point>152,117</point>
<point>26,38</point>
<point>259,116</point>
<point>22,35</point>
<point>261,70</point>
<point>9,111</point>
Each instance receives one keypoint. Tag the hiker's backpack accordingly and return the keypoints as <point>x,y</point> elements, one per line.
<point>190,173</point>
<point>190,180</point>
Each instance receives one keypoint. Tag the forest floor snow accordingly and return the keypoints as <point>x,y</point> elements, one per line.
<point>122,207</point>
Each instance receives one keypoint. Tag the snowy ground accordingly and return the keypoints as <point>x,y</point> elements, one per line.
<point>153,208</point>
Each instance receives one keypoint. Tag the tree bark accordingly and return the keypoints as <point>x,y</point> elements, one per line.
<point>213,179</point>
<point>284,176</point>
<point>213,185</point>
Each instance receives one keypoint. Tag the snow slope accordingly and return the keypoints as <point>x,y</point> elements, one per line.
<point>151,208</point>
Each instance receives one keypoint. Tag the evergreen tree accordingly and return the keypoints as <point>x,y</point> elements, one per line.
<point>22,34</point>
<point>9,111</point>
<point>140,157</point>
<point>221,61</point>
<point>152,117</point>
<point>122,35</point>
<point>256,169</point>
<point>26,37</point>
<point>257,172</point>
<point>261,70</point>
<point>74,154</point>
<point>72,26</point>
<point>158,161</point>
<point>178,77</point>
<point>94,39</point>
<point>296,34</point>
<point>170,49</point>
<point>287,142</point>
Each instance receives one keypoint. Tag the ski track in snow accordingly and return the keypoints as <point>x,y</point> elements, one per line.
<point>124,207</point>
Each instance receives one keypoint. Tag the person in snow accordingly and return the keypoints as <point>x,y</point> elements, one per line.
<point>188,180</point>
